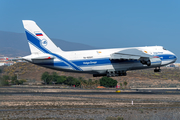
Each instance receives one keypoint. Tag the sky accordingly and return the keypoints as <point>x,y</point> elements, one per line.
<point>99,23</point>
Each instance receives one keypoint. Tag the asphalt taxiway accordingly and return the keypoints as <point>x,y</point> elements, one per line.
<point>61,103</point>
<point>96,93</point>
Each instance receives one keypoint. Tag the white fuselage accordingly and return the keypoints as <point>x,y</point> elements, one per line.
<point>98,61</point>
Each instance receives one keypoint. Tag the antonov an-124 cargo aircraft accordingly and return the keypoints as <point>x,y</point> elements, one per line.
<point>100,62</point>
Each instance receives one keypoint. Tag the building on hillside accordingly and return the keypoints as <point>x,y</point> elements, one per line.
<point>177,64</point>
<point>10,61</point>
<point>173,65</point>
<point>2,64</point>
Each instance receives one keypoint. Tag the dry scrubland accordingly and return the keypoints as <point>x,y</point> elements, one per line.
<point>139,78</point>
<point>86,106</point>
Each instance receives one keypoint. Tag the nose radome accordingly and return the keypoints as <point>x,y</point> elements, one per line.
<point>168,58</point>
<point>174,57</point>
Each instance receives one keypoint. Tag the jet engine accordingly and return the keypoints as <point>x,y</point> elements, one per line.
<point>155,61</point>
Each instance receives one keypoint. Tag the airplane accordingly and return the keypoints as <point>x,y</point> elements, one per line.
<point>100,62</point>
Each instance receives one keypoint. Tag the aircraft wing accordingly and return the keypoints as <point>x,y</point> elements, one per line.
<point>128,54</point>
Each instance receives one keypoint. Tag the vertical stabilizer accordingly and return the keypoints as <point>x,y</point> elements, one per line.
<point>38,41</point>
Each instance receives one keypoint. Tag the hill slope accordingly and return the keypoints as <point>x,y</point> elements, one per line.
<point>15,44</point>
<point>138,78</point>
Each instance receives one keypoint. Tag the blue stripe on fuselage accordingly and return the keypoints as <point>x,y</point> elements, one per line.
<point>105,61</point>
<point>167,57</point>
<point>92,62</point>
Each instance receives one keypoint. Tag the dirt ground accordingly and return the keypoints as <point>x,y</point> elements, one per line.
<point>55,104</point>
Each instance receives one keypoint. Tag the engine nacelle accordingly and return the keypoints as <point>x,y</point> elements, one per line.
<point>155,61</point>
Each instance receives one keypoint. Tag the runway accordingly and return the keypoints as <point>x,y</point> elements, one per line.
<point>96,93</point>
<point>56,103</point>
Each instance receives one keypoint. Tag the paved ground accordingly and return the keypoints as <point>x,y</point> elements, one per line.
<point>65,104</point>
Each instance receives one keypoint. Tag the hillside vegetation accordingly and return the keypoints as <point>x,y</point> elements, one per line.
<point>139,78</point>
<point>165,74</point>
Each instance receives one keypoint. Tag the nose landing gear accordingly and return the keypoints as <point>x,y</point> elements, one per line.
<point>157,69</point>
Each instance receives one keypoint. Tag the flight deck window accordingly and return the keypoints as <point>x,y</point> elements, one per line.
<point>164,49</point>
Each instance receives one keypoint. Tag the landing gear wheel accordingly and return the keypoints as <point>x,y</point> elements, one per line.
<point>157,70</point>
<point>124,74</point>
<point>148,63</point>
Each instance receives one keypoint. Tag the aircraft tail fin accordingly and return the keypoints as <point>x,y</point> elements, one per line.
<point>38,41</point>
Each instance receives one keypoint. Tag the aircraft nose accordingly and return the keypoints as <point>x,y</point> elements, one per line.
<point>168,58</point>
<point>175,58</point>
<point>172,57</point>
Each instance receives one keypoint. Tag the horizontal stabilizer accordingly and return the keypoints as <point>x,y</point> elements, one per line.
<point>39,57</point>
<point>42,58</point>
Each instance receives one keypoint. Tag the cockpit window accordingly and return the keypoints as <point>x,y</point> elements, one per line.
<point>164,49</point>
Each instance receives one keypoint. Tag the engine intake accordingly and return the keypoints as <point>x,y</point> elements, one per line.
<point>155,61</point>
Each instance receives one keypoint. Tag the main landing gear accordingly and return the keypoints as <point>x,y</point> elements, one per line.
<point>111,74</point>
<point>157,69</point>
<point>116,73</point>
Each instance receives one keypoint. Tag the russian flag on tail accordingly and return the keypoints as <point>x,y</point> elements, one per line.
<point>38,34</point>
